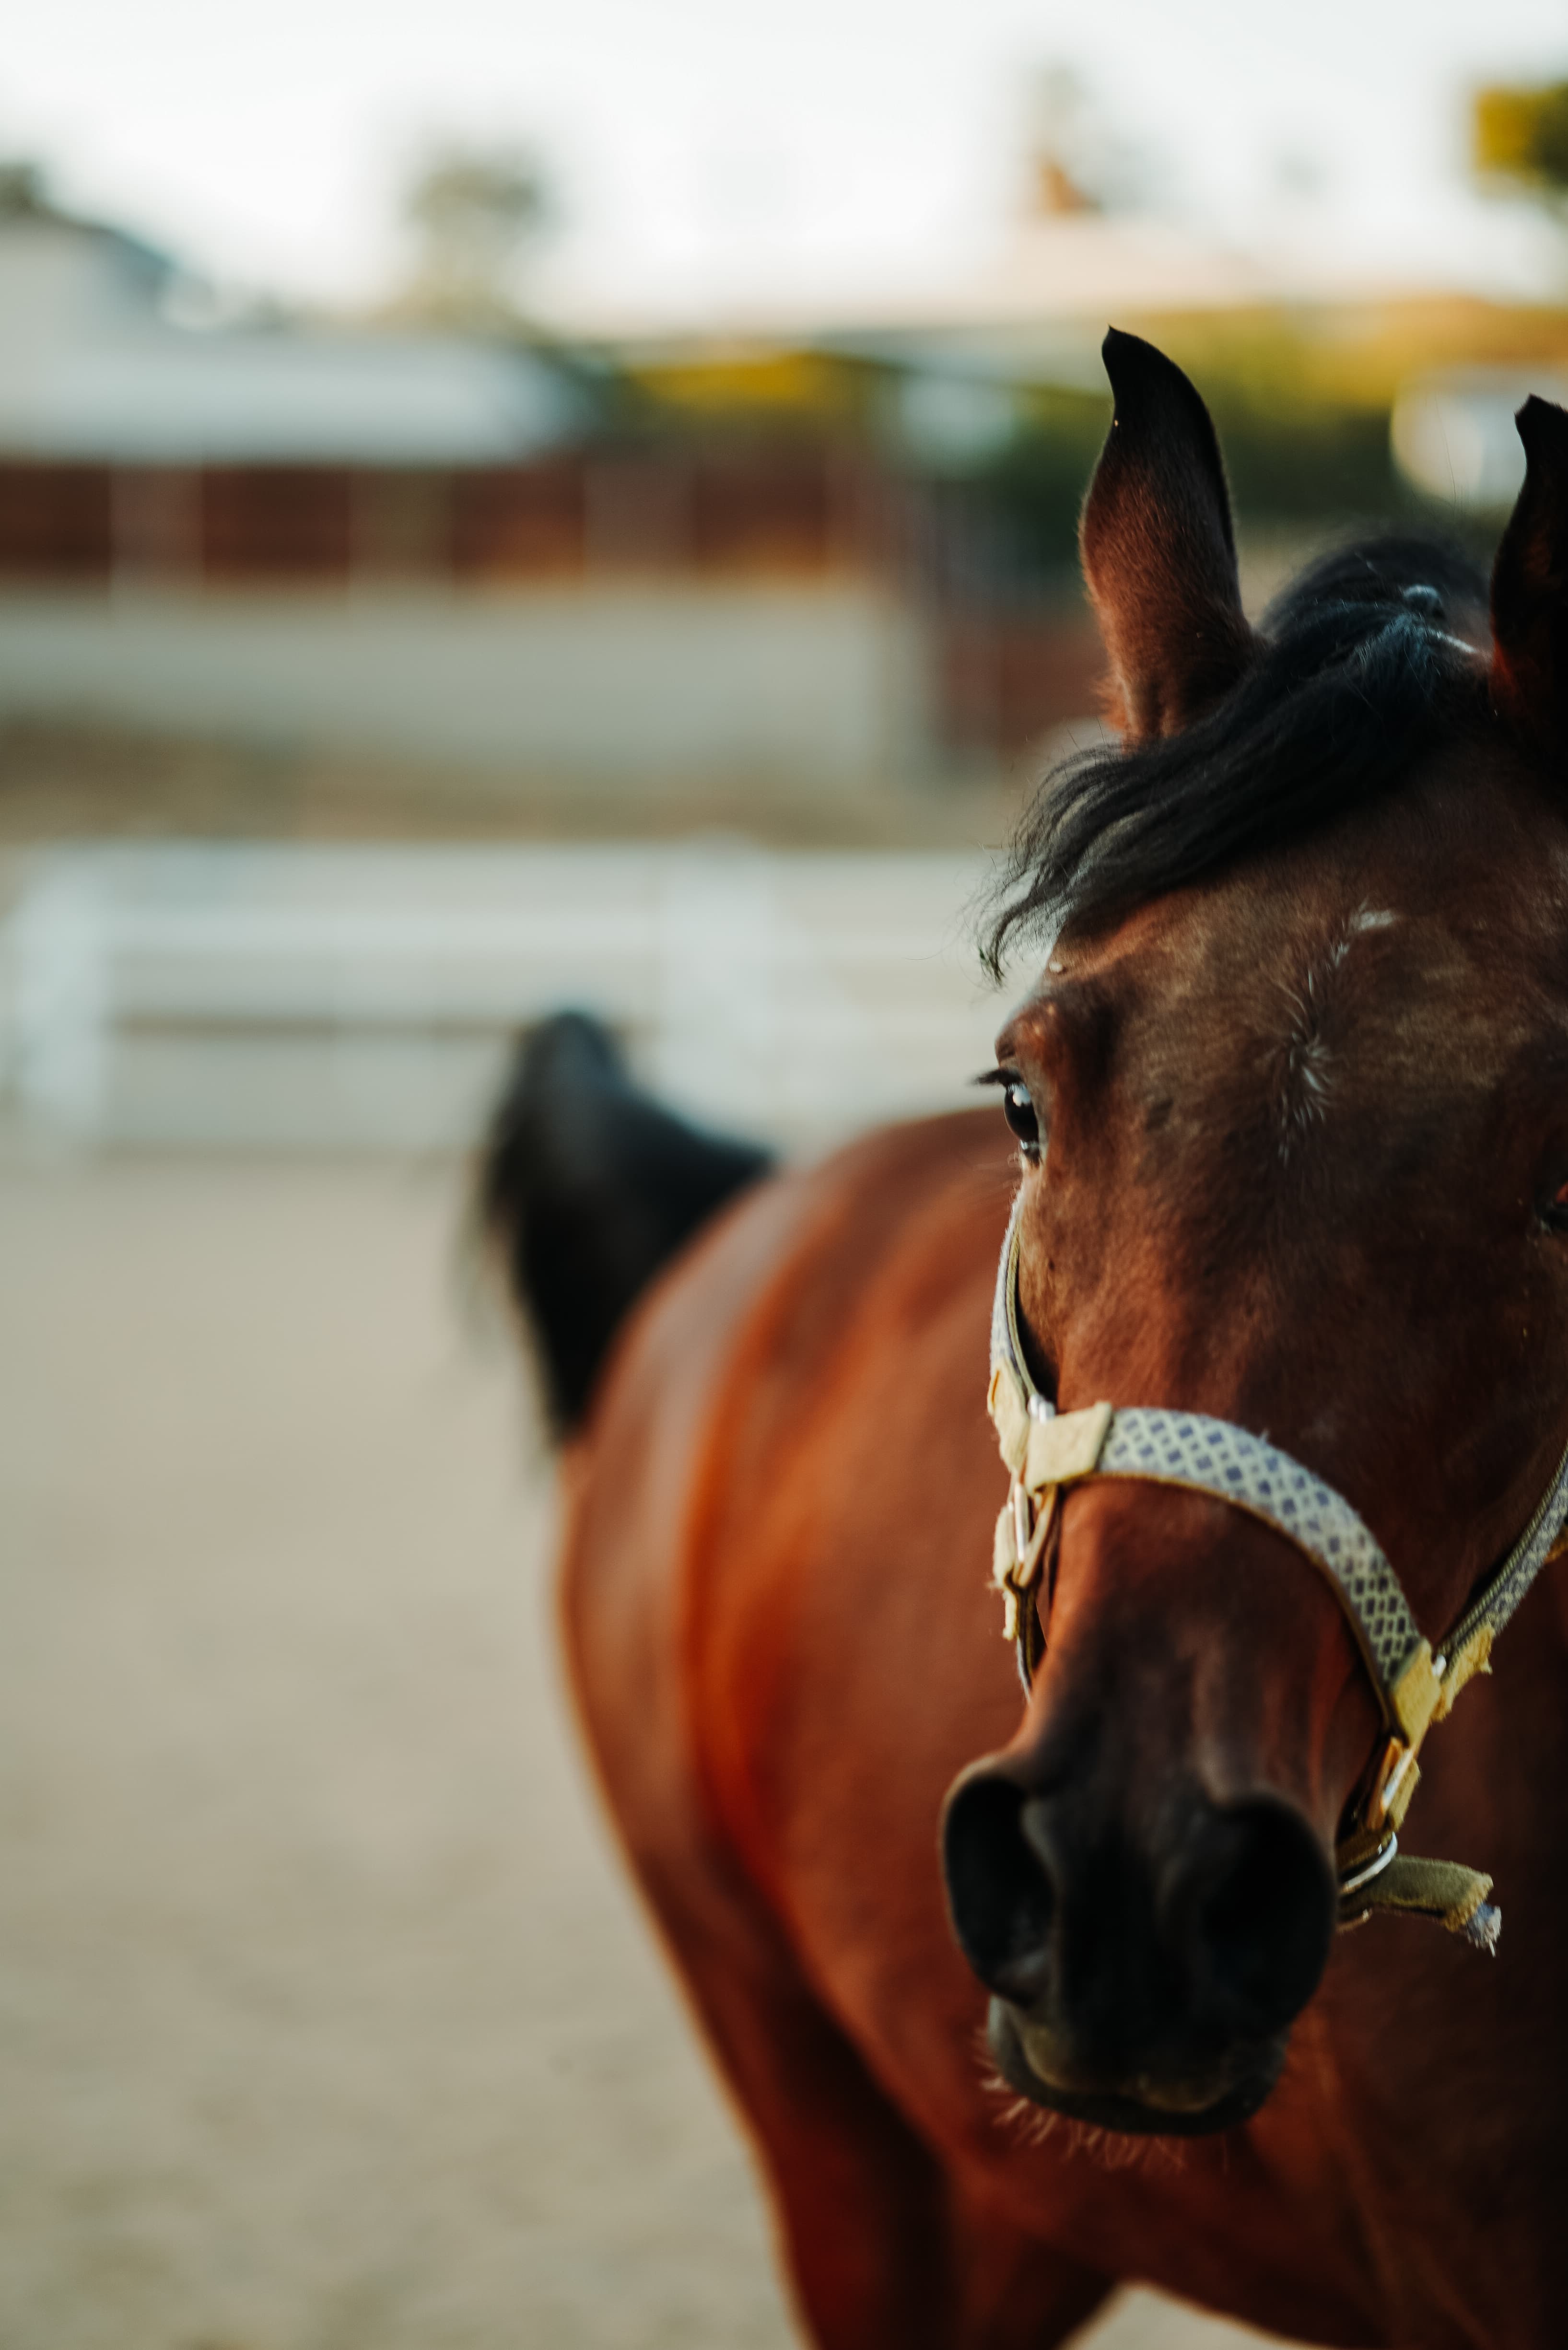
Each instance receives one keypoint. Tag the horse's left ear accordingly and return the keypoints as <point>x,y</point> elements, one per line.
<point>1159,547</point>
<point>1529,589</point>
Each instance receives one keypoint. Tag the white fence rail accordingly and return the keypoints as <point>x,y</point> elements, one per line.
<point>365,998</point>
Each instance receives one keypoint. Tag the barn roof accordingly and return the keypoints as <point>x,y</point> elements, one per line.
<point>93,367</point>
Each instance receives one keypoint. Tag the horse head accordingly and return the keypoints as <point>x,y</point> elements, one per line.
<point>1292,1099</point>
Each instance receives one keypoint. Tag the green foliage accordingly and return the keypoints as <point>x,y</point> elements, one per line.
<point>1324,464</point>
<point>1034,487</point>
<point>24,191</point>
<point>1315,466</point>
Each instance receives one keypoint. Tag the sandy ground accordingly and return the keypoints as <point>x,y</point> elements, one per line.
<point>60,781</point>
<point>327,2021</point>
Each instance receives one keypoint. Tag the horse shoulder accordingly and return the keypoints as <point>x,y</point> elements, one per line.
<point>707,1387</point>
<point>714,1383</point>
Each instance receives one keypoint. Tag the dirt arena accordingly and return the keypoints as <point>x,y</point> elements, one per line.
<point>327,2021</point>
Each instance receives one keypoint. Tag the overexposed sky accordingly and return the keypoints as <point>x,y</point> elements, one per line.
<point>717,142</point>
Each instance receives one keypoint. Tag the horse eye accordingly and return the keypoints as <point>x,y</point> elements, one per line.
<point>1019,1111</point>
<point>1555,1212</point>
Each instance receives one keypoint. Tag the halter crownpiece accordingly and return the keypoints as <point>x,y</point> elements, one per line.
<point>1048,1452</point>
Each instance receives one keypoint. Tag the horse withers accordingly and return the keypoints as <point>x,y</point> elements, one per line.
<point>1289,1150</point>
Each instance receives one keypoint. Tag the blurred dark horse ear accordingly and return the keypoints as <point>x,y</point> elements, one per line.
<point>1159,553</point>
<point>1529,589</point>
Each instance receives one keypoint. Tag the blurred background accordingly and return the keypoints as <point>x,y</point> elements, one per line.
<point>500,508</point>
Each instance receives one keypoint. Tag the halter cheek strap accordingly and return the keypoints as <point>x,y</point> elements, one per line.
<point>1047,1453</point>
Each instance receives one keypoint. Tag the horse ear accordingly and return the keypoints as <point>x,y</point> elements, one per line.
<point>1158,548</point>
<point>1529,589</point>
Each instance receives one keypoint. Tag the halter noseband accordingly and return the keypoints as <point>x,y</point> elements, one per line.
<point>1047,1452</point>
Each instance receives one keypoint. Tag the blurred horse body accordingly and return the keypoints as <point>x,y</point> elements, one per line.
<point>1303,1070</point>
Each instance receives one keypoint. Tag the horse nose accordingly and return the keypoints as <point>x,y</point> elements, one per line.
<point>1250,1907</point>
<point>1001,1885</point>
<point>1234,1907</point>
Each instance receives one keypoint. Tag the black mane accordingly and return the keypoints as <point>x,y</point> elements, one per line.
<point>1360,676</point>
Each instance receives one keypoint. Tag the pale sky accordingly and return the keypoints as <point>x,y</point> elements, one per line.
<point>706,141</point>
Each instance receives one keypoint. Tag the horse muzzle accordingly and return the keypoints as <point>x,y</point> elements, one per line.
<point>1140,2107</point>
<point>1139,1982</point>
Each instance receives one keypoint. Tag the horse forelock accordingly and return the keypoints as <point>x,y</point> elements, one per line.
<point>1371,660</point>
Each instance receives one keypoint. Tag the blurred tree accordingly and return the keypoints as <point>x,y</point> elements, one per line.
<point>1520,135</point>
<point>1075,161</point>
<point>1067,144</point>
<point>476,214</point>
<point>24,191</point>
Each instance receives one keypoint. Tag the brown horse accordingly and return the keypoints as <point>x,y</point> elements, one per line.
<point>1300,1056</point>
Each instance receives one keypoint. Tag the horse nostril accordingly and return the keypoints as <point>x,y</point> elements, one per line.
<point>1000,1896</point>
<point>1263,1915</point>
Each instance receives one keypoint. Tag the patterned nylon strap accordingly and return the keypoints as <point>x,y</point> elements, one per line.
<point>1213,1456</point>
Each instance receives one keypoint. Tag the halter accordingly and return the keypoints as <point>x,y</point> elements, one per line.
<point>1047,1452</point>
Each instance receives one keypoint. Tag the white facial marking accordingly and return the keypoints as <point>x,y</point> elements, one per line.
<point>1306,1076</point>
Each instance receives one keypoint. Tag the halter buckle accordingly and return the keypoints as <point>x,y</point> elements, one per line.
<point>1393,1781</point>
<point>1354,1881</point>
<point>1066,1448</point>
